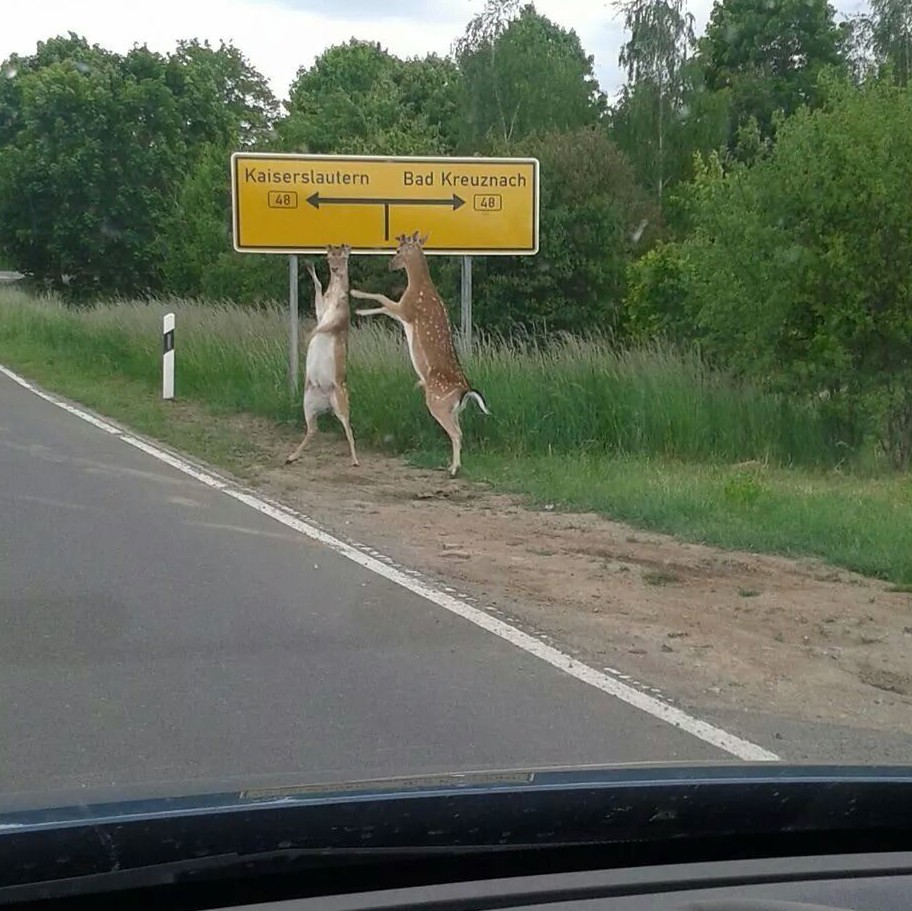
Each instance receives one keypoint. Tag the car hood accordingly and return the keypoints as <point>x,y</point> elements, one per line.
<point>614,807</point>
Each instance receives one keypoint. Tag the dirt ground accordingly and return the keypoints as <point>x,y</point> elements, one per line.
<point>708,629</point>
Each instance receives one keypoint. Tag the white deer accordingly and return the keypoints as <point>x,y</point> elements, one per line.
<point>429,335</point>
<point>325,388</point>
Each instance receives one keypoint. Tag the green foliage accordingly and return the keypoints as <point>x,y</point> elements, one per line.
<point>662,151</point>
<point>521,76</point>
<point>655,57</point>
<point>796,270</point>
<point>94,146</point>
<point>223,100</point>
<point>359,99</point>
<point>769,55</point>
<point>199,259</point>
<point>594,219</point>
<point>657,286</point>
<point>884,35</point>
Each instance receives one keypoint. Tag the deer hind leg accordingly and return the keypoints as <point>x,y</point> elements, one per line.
<point>310,419</point>
<point>339,402</point>
<point>447,417</point>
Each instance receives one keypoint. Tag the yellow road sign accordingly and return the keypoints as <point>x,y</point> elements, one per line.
<point>301,203</point>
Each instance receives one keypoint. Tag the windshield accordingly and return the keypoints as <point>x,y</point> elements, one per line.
<point>405,389</point>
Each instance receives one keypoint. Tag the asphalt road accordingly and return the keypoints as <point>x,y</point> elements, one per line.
<point>153,630</point>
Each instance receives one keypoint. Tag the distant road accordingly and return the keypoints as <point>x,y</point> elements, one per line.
<point>155,630</point>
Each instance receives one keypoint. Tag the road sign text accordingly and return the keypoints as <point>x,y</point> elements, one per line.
<point>302,203</point>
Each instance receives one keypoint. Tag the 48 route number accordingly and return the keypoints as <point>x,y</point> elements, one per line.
<point>282,199</point>
<point>487,202</point>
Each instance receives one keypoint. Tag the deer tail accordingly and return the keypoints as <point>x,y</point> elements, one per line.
<point>477,398</point>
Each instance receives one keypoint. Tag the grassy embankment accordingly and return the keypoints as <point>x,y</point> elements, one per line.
<point>648,436</point>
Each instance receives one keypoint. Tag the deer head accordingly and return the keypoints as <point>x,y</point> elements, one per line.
<point>337,257</point>
<point>408,251</point>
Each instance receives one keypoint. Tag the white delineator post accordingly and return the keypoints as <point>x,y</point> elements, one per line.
<point>168,356</point>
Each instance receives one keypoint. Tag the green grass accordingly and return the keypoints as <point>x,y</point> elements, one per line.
<point>650,436</point>
<point>575,396</point>
<point>861,523</point>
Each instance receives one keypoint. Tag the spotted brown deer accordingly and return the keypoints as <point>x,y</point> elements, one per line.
<point>430,340</point>
<point>325,388</point>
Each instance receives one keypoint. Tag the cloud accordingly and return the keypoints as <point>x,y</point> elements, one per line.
<point>279,36</point>
<point>372,11</point>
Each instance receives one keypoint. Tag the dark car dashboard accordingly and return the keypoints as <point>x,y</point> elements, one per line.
<point>735,838</point>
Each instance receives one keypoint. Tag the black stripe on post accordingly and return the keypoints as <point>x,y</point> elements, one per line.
<point>168,341</point>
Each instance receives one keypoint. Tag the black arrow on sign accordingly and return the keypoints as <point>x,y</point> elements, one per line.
<point>316,200</point>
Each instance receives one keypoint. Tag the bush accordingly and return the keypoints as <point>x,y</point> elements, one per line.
<point>594,219</point>
<point>657,286</point>
<point>796,271</point>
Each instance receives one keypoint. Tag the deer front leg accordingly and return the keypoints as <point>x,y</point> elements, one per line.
<point>388,305</point>
<point>318,290</point>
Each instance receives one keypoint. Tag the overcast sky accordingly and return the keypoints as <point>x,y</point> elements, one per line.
<point>278,36</point>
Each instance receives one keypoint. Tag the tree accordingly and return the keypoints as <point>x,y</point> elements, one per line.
<point>221,97</point>
<point>199,259</point>
<point>769,54</point>
<point>359,99</point>
<point>699,123</point>
<point>224,104</point>
<point>72,50</point>
<point>93,147</point>
<point>594,219</point>
<point>521,76</point>
<point>797,268</point>
<point>887,32</point>
<point>655,56</point>
<point>430,89</point>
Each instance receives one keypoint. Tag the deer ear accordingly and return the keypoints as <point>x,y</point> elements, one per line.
<point>415,237</point>
<point>422,241</point>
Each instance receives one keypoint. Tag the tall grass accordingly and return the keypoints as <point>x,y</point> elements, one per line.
<point>573,396</point>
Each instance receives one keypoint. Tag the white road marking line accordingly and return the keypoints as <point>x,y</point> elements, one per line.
<point>411,581</point>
